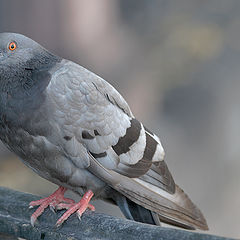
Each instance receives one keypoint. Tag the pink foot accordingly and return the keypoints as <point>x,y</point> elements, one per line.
<point>79,207</point>
<point>52,201</point>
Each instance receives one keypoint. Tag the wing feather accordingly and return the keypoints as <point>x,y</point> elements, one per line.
<point>174,208</point>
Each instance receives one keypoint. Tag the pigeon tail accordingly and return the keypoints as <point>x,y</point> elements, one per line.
<point>136,212</point>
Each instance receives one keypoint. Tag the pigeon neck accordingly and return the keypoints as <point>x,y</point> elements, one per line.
<point>23,92</point>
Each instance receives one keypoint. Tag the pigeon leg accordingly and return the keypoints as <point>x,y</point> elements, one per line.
<point>52,201</point>
<point>79,207</point>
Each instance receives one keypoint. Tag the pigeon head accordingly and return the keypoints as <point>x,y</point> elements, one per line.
<point>24,69</point>
<point>18,51</point>
<point>20,58</point>
<point>16,48</point>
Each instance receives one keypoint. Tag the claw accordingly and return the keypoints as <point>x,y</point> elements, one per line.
<point>52,208</point>
<point>79,216</point>
<point>33,220</point>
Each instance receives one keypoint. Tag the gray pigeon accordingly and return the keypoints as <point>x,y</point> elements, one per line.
<point>74,129</point>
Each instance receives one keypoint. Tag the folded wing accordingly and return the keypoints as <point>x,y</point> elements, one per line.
<point>123,152</point>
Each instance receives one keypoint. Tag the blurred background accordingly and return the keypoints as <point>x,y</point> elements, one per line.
<point>177,63</point>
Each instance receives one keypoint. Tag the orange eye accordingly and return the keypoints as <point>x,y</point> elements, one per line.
<point>12,46</point>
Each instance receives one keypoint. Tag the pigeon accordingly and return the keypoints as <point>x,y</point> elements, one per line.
<point>74,129</point>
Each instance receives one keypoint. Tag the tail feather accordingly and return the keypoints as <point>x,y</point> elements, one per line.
<point>136,212</point>
<point>175,209</point>
<point>133,211</point>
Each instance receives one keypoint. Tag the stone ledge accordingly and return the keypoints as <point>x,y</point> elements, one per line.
<point>15,220</point>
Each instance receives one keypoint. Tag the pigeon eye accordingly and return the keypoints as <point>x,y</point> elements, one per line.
<point>12,46</point>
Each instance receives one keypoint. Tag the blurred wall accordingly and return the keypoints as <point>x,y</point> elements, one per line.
<point>177,65</point>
